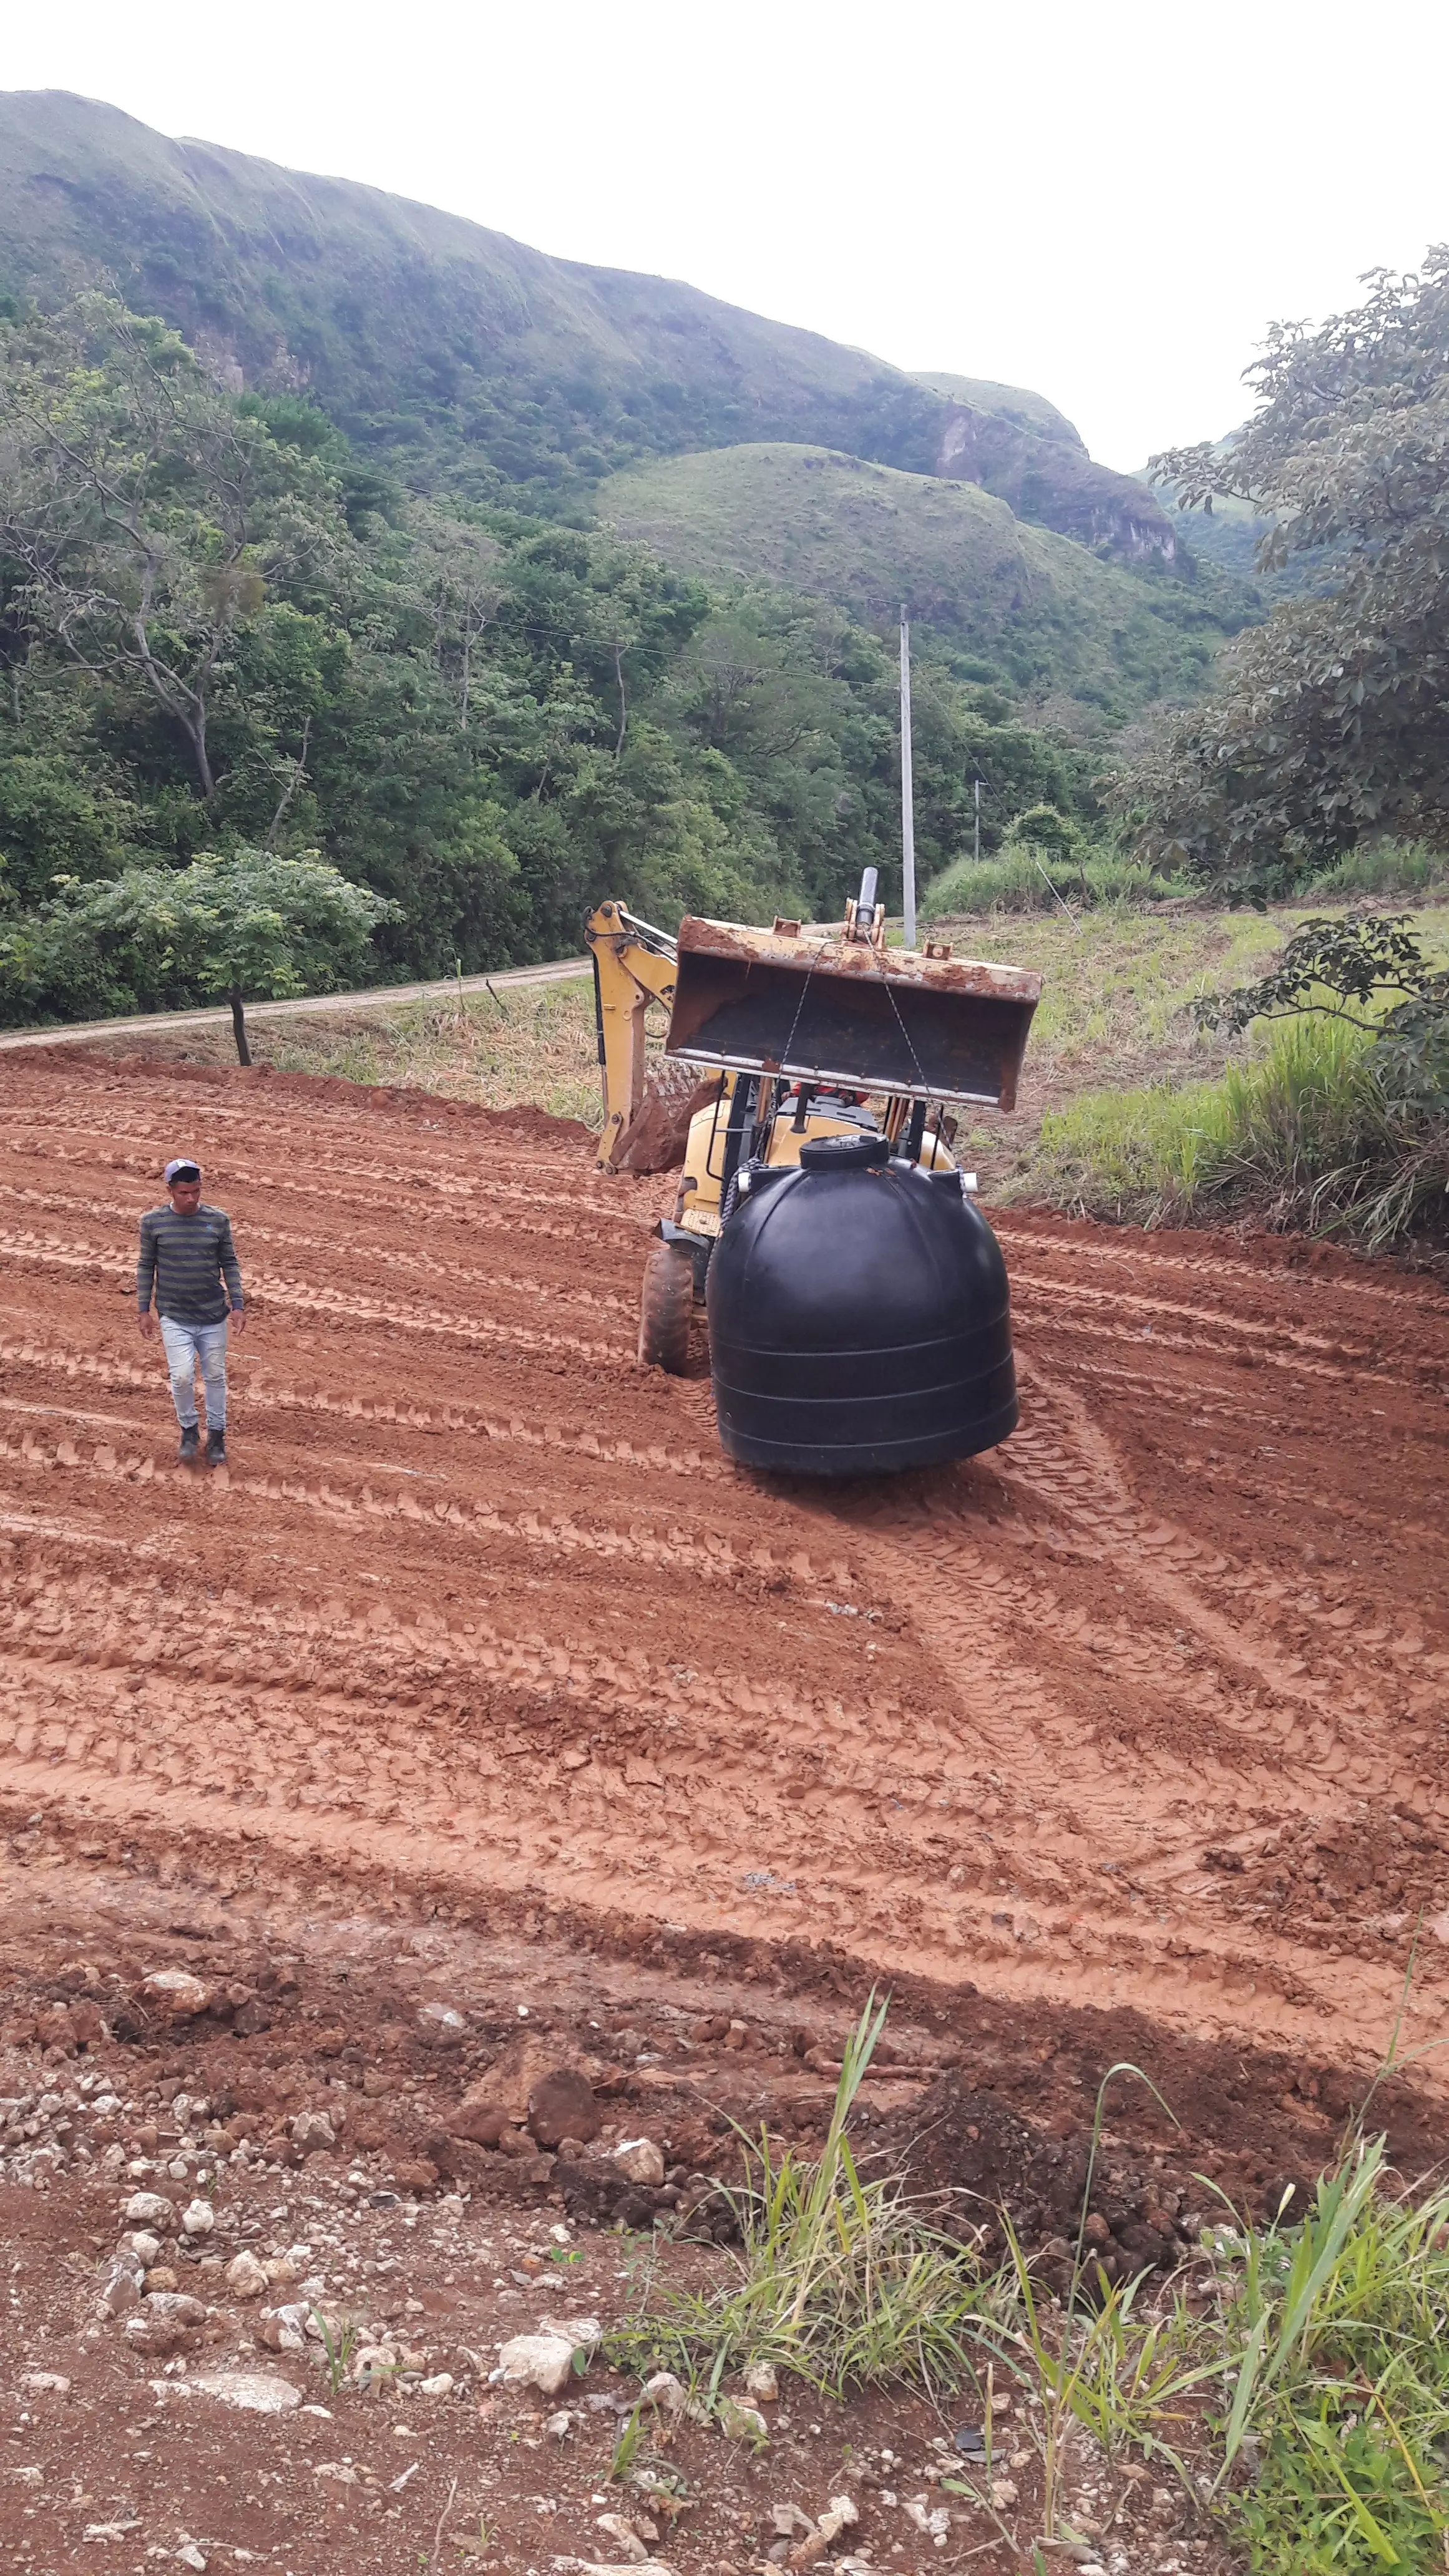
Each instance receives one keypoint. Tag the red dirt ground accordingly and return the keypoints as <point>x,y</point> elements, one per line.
<point>1126,1741</point>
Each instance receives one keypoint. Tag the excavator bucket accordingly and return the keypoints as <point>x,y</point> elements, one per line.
<point>823,1008</point>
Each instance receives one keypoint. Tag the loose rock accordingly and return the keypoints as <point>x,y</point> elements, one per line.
<point>546,2360</point>
<point>258,2392</point>
<point>480,2117</point>
<point>312,2129</point>
<point>198,2218</point>
<point>440,2026</point>
<point>120,2289</point>
<point>561,2106</point>
<point>176,1993</point>
<point>282,2329</point>
<point>149,2209</point>
<point>639,2160</point>
<point>245,2277</point>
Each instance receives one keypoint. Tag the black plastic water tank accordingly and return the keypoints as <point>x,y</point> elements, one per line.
<point>859,1317</point>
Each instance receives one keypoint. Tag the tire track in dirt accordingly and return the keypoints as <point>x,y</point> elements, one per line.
<point>481,1600</point>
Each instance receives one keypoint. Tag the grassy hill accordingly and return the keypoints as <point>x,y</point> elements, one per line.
<point>476,360</point>
<point>1041,611</point>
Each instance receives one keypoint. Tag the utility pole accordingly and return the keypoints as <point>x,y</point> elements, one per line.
<point>977,851</point>
<point>908,817</point>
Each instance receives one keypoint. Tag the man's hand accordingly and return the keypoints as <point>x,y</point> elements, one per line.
<point>146,1325</point>
<point>238,1319</point>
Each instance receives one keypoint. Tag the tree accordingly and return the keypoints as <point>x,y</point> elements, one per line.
<point>1371,973</point>
<point>1330,725</point>
<point>235,928</point>
<point>141,513</point>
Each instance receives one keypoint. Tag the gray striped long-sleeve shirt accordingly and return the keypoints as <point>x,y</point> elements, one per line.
<point>185,1259</point>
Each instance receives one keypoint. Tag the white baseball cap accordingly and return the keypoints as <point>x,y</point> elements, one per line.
<point>184,1163</point>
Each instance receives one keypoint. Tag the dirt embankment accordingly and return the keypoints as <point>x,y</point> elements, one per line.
<point>1127,1740</point>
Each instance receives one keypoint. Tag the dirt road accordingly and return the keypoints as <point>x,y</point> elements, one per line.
<point>1144,1712</point>
<point>373,997</point>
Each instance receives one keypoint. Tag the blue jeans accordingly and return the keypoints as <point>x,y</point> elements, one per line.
<point>184,1345</point>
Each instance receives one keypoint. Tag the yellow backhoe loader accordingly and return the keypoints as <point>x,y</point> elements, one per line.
<point>856,1298</point>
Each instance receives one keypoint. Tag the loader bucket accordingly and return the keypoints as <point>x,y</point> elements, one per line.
<point>821,1008</point>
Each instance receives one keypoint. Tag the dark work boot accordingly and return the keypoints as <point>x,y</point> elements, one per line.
<point>189,1439</point>
<point>216,1448</point>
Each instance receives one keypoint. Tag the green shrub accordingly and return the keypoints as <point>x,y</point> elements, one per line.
<point>1301,1135</point>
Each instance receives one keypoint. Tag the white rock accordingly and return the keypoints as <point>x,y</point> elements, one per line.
<point>244,2276</point>
<point>792,2522</point>
<point>672,2397</point>
<point>1003,2493</point>
<point>607,2567</point>
<point>932,2524</point>
<point>257,2392</point>
<point>149,2209</point>
<point>761,2383</point>
<point>282,2329</point>
<point>440,2385</point>
<point>176,1992</point>
<point>198,2218</point>
<point>542,2361</point>
<point>313,2129</point>
<point>39,2383</point>
<point>120,2287</point>
<point>146,2248</point>
<point>742,2423</point>
<point>617,2529</point>
<point>558,2424</point>
<point>190,2556</point>
<point>839,2515</point>
<point>440,2026</point>
<point>579,2331</point>
<point>640,2160</point>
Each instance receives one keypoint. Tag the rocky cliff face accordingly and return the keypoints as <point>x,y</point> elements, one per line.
<point>414,327</point>
<point>1053,481</point>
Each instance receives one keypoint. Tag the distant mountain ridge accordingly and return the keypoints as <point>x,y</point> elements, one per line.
<point>487,362</point>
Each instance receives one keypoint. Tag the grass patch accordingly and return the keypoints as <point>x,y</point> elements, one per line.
<point>836,2279</point>
<point>1300,1135</point>
<point>1294,2378</point>
<point>533,1046</point>
<point>1022,880</point>
<point>1385,868</point>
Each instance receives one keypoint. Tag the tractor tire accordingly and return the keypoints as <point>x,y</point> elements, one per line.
<point>666,1302</point>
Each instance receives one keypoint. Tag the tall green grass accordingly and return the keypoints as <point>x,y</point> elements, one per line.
<point>1382,867</point>
<point>1019,879</point>
<point>1293,2377</point>
<point>1299,1135</point>
<point>837,2277</point>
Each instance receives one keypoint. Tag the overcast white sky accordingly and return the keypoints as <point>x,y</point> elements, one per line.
<point>1107,202</point>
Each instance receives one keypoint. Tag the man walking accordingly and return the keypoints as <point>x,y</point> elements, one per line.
<point>188,1259</point>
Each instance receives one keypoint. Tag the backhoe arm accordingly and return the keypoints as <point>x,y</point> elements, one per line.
<point>634,964</point>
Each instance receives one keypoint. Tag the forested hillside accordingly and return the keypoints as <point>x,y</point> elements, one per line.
<point>330,523</point>
<point>1039,615</point>
<point>219,627</point>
